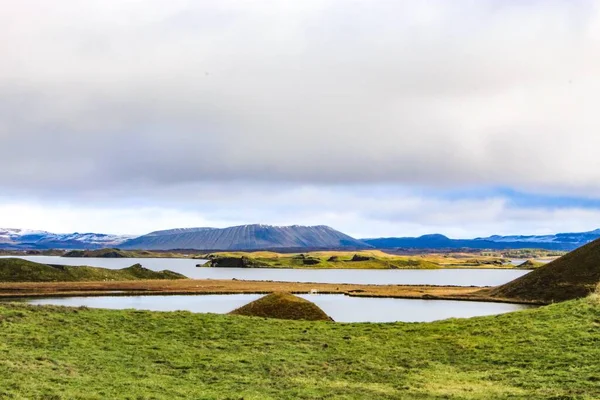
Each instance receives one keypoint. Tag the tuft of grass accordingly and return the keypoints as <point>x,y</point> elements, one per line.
<point>75,353</point>
<point>19,270</point>
<point>283,306</point>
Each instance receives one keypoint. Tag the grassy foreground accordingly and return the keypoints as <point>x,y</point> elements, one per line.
<point>62,353</point>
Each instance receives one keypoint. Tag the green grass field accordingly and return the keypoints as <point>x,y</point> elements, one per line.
<point>62,353</point>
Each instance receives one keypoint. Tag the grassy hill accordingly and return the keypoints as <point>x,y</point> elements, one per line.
<point>118,253</point>
<point>19,270</point>
<point>101,253</point>
<point>571,276</point>
<point>75,353</point>
<point>283,306</point>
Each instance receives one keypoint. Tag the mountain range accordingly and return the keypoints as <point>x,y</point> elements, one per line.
<point>295,237</point>
<point>17,239</point>
<point>559,241</point>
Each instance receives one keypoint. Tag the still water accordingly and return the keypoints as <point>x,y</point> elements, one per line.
<point>187,267</point>
<point>339,307</point>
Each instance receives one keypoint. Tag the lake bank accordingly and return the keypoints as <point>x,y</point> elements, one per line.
<point>187,267</point>
<point>197,287</point>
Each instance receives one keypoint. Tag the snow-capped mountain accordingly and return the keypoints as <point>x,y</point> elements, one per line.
<point>253,237</point>
<point>35,239</point>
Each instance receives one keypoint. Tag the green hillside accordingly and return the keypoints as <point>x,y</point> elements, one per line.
<point>571,276</point>
<point>19,270</point>
<point>60,353</point>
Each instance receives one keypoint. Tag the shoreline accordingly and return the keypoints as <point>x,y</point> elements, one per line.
<point>214,286</point>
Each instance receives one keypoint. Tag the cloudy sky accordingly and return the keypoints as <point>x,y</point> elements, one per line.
<point>379,118</point>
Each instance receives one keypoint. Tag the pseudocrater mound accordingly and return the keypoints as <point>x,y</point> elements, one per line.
<point>283,306</point>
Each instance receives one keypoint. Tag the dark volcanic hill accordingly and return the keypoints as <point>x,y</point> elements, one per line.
<point>246,237</point>
<point>574,275</point>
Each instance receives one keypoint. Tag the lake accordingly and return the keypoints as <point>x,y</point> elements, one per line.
<point>187,267</point>
<point>340,307</point>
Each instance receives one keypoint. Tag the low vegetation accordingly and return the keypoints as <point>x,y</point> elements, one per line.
<point>283,306</point>
<point>64,353</point>
<point>19,270</point>
<point>527,253</point>
<point>118,253</point>
<point>369,259</point>
<point>531,264</point>
<point>366,259</point>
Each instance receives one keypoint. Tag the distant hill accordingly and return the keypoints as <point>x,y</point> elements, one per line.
<point>559,241</point>
<point>19,270</point>
<point>24,239</point>
<point>260,237</point>
<point>246,237</point>
<point>573,275</point>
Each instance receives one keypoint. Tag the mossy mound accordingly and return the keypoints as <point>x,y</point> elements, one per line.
<point>19,270</point>
<point>530,264</point>
<point>571,276</point>
<point>283,306</point>
<point>360,257</point>
<point>233,262</point>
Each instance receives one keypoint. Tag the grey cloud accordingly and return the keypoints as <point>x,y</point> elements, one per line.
<point>110,95</point>
<point>360,214</point>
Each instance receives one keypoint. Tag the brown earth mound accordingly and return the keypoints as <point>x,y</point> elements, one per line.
<point>571,276</point>
<point>283,306</point>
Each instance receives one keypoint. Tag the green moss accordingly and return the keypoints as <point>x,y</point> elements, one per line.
<point>65,353</point>
<point>19,270</point>
<point>283,306</point>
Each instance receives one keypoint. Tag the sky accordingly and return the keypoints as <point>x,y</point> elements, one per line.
<point>378,118</point>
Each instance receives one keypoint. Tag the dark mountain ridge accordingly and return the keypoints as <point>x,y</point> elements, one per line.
<point>246,237</point>
<point>559,241</point>
<point>279,238</point>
